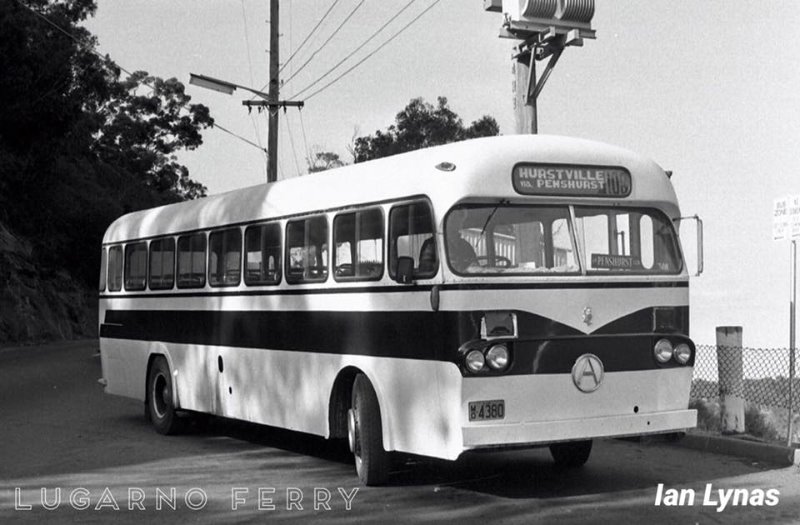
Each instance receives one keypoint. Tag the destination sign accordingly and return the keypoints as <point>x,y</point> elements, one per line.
<point>615,262</point>
<point>583,181</point>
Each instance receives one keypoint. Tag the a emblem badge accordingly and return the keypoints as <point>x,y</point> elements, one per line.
<point>587,373</point>
<point>587,316</point>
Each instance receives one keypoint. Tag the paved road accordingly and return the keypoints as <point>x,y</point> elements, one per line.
<point>58,431</point>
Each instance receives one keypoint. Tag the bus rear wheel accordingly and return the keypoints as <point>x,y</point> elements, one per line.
<point>572,454</point>
<point>364,434</point>
<point>160,405</point>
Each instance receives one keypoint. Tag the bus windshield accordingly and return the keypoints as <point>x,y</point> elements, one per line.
<point>508,239</point>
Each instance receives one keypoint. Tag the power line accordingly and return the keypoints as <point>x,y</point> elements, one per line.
<point>250,67</point>
<point>305,140</point>
<point>86,46</point>
<point>329,84</point>
<point>72,37</point>
<point>229,132</point>
<point>335,32</point>
<point>308,37</point>
<point>356,50</point>
<point>291,141</point>
<point>247,43</point>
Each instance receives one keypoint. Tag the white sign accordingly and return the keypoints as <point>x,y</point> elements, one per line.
<point>794,216</point>
<point>780,219</point>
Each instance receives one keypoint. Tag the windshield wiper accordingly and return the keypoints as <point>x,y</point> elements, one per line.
<point>491,215</point>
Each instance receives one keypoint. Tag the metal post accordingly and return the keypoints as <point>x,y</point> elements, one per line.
<point>731,384</point>
<point>792,324</point>
<point>273,96</point>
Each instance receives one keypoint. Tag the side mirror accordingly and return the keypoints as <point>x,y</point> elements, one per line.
<point>699,222</point>
<point>405,270</point>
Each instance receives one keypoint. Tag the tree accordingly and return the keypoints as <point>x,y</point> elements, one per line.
<point>323,161</point>
<point>145,121</point>
<point>79,144</point>
<point>421,125</point>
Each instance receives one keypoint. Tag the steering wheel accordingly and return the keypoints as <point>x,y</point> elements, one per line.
<point>497,261</point>
<point>344,270</point>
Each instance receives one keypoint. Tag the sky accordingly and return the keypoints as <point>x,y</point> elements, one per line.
<point>709,90</point>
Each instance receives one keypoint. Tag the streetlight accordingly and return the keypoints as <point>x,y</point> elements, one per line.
<point>228,88</point>
<point>220,85</point>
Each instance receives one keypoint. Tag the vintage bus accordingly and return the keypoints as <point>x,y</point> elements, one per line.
<point>513,291</point>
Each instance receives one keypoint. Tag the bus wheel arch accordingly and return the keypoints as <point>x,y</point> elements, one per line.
<point>571,454</point>
<point>340,402</point>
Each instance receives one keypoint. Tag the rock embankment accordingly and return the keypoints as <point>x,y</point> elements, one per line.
<point>36,304</point>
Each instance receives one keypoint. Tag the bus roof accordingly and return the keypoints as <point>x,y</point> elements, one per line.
<point>483,169</point>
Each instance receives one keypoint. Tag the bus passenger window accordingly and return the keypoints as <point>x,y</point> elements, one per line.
<point>192,261</point>
<point>358,238</point>
<point>307,250</point>
<point>103,265</point>
<point>263,254</point>
<point>411,234</point>
<point>162,264</point>
<point>115,269</point>
<point>135,266</point>
<point>225,257</point>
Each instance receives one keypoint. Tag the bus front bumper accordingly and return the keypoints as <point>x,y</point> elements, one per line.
<point>543,432</point>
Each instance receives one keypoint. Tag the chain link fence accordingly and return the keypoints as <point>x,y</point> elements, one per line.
<point>764,385</point>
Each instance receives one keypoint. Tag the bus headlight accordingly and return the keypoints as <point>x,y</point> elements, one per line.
<point>663,350</point>
<point>497,357</point>
<point>475,361</point>
<point>682,353</point>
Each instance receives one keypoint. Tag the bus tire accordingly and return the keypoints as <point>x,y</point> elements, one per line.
<point>365,434</point>
<point>160,406</point>
<point>572,454</point>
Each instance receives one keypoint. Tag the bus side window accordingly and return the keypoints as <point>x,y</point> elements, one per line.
<point>162,264</point>
<point>358,240</point>
<point>115,269</point>
<point>225,257</point>
<point>411,234</point>
<point>262,254</point>
<point>103,265</point>
<point>192,261</point>
<point>307,250</point>
<point>135,266</point>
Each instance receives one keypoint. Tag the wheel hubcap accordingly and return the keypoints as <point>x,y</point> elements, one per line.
<point>351,430</point>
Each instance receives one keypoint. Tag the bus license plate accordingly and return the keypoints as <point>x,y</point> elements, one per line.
<point>483,410</point>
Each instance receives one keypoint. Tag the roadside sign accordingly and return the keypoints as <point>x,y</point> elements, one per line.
<point>794,216</point>
<point>780,219</point>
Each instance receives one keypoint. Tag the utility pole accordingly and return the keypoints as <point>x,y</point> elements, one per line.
<point>525,117</point>
<point>271,100</point>
<point>545,28</point>
<point>274,86</point>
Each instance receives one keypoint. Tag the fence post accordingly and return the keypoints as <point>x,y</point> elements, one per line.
<point>731,388</point>
<point>790,426</point>
<point>792,346</point>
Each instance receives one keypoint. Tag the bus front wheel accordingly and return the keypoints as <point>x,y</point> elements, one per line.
<point>364,434</point>
<point>160,406</point>
<point>572,454</point>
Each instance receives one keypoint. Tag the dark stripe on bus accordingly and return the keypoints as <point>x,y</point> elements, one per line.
<point>544,346</point>
<point>405,289</point>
